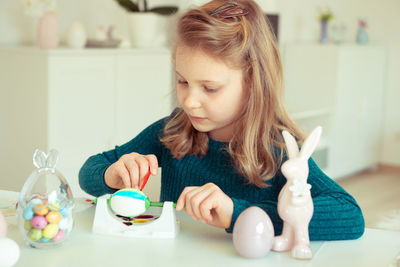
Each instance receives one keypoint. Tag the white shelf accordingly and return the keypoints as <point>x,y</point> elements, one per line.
<point>78,101</point>
<point>67,51</point>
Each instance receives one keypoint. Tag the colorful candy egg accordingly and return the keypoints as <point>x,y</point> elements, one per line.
<point>40,209</point>
<point>63,211</point>
<point>53,217</point>
<point>35,201</point>
<point>27,225</point>
<point>39,222</point>
<point>50,230</point>
<point>59,236</point>
<point>54,206</point>
<point>35,234</point>
<point>28,213</point>
<point>129,202</point>
<point>65,224</point>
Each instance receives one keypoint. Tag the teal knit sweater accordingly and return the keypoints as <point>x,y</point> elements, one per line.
<point>336,214</point>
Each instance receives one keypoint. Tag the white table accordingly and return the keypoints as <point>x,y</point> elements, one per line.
<point>196,245</point>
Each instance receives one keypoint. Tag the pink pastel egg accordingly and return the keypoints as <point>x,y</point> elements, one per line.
<point>253,233</point>
<point>59,236</point>
<point>39,222</point>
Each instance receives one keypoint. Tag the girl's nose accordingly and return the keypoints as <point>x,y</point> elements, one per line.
<point>192,100</point>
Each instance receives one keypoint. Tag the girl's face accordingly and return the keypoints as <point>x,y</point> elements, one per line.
<point>209,92</point>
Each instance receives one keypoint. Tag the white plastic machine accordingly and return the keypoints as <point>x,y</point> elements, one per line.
<point>106,222</point>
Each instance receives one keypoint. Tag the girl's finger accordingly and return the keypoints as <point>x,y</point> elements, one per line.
<point>153,162</point>
<point>133,168</point>
<point>180,203</point>
<point>143,166</point>
<point>192,204</point>
<point>196,199</point>
<point>123,174</point>
<point>211,202</point>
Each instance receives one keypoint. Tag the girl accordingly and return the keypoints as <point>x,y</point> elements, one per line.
<point>221,150</point>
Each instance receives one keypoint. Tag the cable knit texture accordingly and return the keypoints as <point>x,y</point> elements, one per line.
<point>337,215</point>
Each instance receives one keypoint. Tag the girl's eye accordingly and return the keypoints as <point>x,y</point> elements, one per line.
<point>210,90</point>
<point>182,82</point>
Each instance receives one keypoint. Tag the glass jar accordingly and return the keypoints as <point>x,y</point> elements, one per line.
<point>45,204</point>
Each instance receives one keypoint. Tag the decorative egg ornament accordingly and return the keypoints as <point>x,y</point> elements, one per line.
<point>129,202</point>
<point>9,252</point>
<point>253,233</point>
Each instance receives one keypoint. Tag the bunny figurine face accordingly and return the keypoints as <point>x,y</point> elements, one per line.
<point>294,168</point>
<point>295,206</point>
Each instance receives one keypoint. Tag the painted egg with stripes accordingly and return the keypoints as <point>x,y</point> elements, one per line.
<point>129,202</point>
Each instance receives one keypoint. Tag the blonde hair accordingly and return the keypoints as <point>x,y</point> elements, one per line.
<point>244,42</point>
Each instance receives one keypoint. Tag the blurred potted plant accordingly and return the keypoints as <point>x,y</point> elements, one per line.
<point>324,17</point>
<point>146,24</point>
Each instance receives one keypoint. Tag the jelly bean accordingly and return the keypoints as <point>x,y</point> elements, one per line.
<point>64,211</point>
<point>40,209</point>
<point>27,225</point>
<point>45,240</point>
<point>35,234</point>
<point>53,217</point>
<point>64,224</point>
<point>59,236</point>
<point>50,230</point>
<point>28,213</point>
<point>39,222</point>
<point>35,201</point>
<point>54,205</point>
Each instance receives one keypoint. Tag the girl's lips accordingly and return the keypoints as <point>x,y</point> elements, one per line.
<point>198,119</point>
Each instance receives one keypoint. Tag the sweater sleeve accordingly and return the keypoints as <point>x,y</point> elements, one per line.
<point>91,174</point>
<point>337,215</point>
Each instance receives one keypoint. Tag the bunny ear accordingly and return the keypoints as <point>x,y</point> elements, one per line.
<point>291,144</point>
<point>39,159</point>
<point>310,143</point>
<point>52,158</point>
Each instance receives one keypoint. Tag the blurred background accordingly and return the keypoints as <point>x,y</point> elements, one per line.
<point>84,76</point>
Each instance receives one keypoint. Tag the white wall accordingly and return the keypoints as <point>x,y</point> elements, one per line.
<point>298,24</point>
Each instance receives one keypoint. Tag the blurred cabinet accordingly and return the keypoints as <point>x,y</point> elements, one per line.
<point>342,89</point>
<point>80,102</point>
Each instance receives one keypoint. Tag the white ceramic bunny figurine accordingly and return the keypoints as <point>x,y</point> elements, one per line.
<point>295,205</point>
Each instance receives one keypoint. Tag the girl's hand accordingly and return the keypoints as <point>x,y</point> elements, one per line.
<point>129,171</point>
<point>207,203</point>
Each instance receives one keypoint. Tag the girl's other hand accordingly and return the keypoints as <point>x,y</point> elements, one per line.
<point>129,171</point>
<point>207,203</point>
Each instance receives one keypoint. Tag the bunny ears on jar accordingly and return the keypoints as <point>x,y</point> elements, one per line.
<point>43,160</point>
